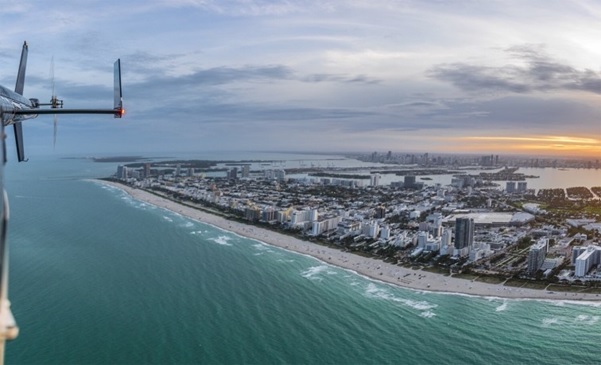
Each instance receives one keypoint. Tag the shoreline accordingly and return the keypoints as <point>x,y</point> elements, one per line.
<point>371,268</point>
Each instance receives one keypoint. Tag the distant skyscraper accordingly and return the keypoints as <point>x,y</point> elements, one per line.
<point>380,212</point>
<point>375,179</point>
<point>245,170</point>
<point>146,170</point>
<point>121,172</point>
<point>510,187</point>
<point>409,182</point>
<point>233,173</point>
<point>486,160</point>
<point>464,232</point>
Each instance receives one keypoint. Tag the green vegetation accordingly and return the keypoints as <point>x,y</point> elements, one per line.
<point>466,276</point>
<point>579,192</point>
<point>436,270</point>
<point>490,279</point>
<point>551,194</point>
<point>525,283</point>
<point>524,243</point>
<point>566,288</point>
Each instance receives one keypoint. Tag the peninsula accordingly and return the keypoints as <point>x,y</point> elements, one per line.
<point>470,236</point>
<point>412,278</point>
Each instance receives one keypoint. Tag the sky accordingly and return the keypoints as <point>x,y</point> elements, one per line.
<point>465,76</point>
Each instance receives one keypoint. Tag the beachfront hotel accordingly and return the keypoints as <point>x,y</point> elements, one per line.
<point>464,235</point>
<point>537,254</point>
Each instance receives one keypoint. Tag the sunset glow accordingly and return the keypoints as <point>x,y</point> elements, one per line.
<point>571,146</point>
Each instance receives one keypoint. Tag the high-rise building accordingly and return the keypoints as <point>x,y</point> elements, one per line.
<point>537,254</point>
<point>245,170</point>
<point>121,172</point>
<point>446,237</point>
<point>385,232</point>
<point>373,229</point>
<point>464,233</point>
<point>313,215</point>
<point>409,181</point>
<point>510,187</point>
<point>233,173</point>
<point>587,258</point>
<point>422,239</point>
<point>375,179</point>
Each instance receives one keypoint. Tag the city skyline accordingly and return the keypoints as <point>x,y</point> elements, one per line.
<point>496,77</point>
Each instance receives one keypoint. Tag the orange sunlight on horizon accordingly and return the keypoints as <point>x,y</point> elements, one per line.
<point>568,146</point>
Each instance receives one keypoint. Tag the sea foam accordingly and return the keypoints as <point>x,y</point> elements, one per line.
<point>313,272</point>
<point>550,321</point>
<point>502,307</point>
<point>373,291</point>
<point>222,240</point>
<point>586,319</point>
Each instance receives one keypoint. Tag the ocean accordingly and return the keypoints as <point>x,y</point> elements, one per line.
<point>99,278</point>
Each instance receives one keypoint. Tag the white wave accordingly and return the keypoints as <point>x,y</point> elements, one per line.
<point>222,240</point>
<point>423,305</point>
<point>167,218</point>
<point>502,307</point>
<point>285,260</point>
<point>550,321</point>
<point>563,303</point>
<point>313,272</point>
<point>373,291</point>
<point>586,319</point>
<point>428,314</point>
<point>262,247</point>
<point>188,225</point>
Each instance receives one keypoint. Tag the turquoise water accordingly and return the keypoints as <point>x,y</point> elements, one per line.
<point>98,278</point>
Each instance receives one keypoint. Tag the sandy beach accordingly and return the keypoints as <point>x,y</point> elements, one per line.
<point>372,268</point>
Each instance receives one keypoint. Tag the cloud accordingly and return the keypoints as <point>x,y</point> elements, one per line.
<point>538,73</point>
<point>360,79</point>
<point>250,7</point>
